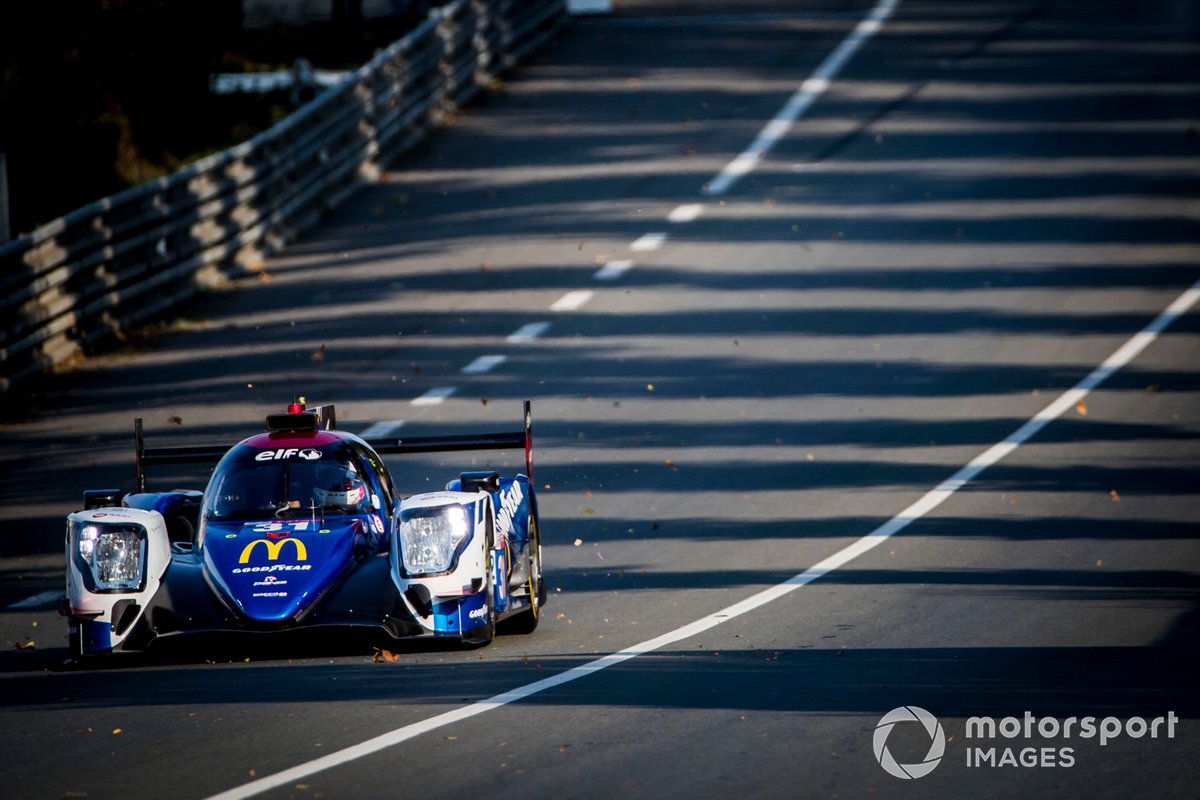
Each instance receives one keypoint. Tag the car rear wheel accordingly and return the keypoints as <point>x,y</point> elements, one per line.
<point>527,621</point>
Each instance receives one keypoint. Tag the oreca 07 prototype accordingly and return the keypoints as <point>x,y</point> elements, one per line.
<point>301,526</point>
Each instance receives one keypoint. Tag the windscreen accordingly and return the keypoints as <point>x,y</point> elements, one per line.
<point>286,489</point>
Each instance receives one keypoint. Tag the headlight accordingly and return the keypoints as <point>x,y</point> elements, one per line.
<point>114,554</point>
<point>430,538</point>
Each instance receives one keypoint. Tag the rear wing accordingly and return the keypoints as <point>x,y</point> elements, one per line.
<point>326,419</point>
<point>446,444</point>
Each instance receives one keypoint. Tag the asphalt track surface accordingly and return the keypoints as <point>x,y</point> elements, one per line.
<point>986,202</point>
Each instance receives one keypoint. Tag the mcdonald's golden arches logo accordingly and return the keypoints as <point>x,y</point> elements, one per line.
<point>274,549</point>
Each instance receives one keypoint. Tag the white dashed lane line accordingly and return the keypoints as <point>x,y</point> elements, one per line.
<point>435,396</point>
<point>572,301</point>
<point>651,241</point>
<point>483,364</point>
<point>528,332</point>
<point>382,428</point>
<point>613,270</point>
<point>800,102</point>
<point>686,213</point>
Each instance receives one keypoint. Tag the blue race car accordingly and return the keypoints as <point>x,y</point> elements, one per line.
<point>301,526</point>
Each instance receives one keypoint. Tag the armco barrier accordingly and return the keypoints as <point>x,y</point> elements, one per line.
<point>77,282</point>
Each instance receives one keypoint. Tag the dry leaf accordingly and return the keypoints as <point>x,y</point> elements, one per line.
<point>264,277</point>
<point>116,731</point>
<point>318,355</point>
<point>385,655</point>
<point>483,400</point>
<point>30,645</point>
<point>174,420</point>
<point>578,542</point>
<point>1116,498</point>
<point>1081,408</point>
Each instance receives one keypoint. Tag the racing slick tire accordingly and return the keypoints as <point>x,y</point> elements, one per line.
<point>528,621</point>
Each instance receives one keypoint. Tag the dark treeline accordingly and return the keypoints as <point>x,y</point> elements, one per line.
<point>100,95</point>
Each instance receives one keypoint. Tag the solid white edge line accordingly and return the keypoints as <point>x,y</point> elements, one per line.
<point>528,332</point>
<point>483,364</point>
<point>434,396</point>
<point>39,599</point>
<point>613,270</point>
<point>380,429</point>
<point>573,301</point>
<point>931,500</point>
<point>805,96</point>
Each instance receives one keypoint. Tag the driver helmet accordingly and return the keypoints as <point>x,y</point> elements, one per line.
<point>341,488</point>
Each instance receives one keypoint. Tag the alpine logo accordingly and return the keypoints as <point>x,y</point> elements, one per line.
<point>284,453</point>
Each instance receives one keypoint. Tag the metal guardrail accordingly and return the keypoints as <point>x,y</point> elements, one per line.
<point>79,281</point>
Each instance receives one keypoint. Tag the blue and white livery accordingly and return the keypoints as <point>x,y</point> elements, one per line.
<point>301,527</point>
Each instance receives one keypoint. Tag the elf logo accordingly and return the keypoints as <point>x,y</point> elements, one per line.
<point>284,453</point>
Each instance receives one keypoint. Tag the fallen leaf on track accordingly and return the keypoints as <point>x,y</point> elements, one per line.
<point>1081,408</point>
<point>1116,498</point>
<point>385,655</point>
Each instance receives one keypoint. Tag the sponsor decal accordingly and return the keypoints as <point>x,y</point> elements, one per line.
<point>510,501</point>
<point>270,580</point>
<point>284,453</point>
<point>376,523</point>
<point>478,613</point>
<point>274,549</point>
<point>272,568</point>
<point>270,594</point>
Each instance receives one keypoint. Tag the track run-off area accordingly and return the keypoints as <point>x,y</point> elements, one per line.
<point>862,346</point>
